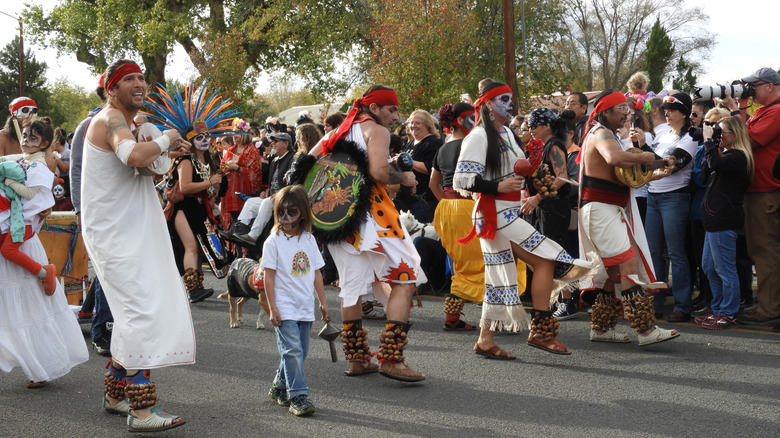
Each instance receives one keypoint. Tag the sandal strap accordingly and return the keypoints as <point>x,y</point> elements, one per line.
<point>156,420</point>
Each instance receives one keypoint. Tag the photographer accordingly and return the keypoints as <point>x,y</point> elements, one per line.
<point>728,172</point>
<point>762,201</point>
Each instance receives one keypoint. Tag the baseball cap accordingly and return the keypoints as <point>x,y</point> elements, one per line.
<point>283,136</point>
<point>765,74</point>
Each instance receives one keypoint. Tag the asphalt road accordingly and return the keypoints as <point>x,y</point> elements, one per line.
<point>703,384</point>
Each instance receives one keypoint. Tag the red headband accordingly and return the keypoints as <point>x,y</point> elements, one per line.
<point>21,103</point>
<point>487,95</point>
<point>606,102</point>
<point>379,97</point>
<point>121,72</point>
<point>464,114</point>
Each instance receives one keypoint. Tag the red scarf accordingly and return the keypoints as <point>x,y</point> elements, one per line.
<point>379,97</point>
<point>606,102</point>
<point>487,205</point>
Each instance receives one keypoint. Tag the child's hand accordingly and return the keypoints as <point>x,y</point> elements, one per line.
<point>325,313</point>
<point>276,321</point>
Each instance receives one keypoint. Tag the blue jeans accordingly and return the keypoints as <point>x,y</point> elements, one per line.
<point>292,339</point>
<point>666,216</point>
<point>719,263</point>
<point>102,314</point>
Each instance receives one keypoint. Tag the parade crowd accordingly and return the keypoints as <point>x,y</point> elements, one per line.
<point>605,202</point>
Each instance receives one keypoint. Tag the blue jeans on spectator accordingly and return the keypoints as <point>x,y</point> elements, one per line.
<point>719,263</point>
<point>666,216</point>
<point>292,339</point>
<point>102,314</point>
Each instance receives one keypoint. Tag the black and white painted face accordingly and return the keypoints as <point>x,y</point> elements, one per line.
<point>289,216</point>
<point>201,141</point>
<point>503,105</point>
<point>25,112</point>
<point>468,122</point>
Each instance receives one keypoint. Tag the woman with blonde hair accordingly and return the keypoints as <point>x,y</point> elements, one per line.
<point>425,141</point>
<point>728,170</point>
<point>307,135</point>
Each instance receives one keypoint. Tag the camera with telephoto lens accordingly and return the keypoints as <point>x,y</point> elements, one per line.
<point>736,90</point>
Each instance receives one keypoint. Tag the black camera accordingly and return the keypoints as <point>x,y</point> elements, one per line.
<point>696,133</point>
<point>737,91</point>
<point>716,133</point>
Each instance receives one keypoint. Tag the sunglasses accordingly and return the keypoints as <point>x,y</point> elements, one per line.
<point>671,99</point>
<point>695,114</point>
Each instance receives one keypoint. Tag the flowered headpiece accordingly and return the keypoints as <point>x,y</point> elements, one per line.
<point>242,126</point>
<point>187,111</point>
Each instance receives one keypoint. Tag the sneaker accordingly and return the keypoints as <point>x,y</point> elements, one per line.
<point>199,294</point>
<point>279,396</point>
<point>699,320</point>
<point>720,323</point>
<point>704,311</point>
<point>246,240</point>
<point>755,318</point>
<point>300,406</point>
<point>102,346</point>
<point>565,310</point>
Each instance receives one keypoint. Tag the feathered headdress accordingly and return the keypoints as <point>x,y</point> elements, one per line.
<point>187,111</point>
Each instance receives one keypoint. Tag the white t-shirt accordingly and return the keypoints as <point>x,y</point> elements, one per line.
<point>294,260</point>
<point>664,145</point>
<point>661,129</point>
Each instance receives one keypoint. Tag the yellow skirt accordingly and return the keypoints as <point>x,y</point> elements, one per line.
<point>452,221</point>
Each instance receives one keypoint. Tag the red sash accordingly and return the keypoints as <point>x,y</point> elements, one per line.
<point>487,205</point>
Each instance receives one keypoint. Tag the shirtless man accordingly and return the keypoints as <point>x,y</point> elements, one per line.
<point>606,207</point>
<point>381,254</point>
<point>22,110</point>
<point>127,239</point>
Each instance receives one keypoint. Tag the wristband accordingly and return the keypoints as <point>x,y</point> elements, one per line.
<point>163,142</point>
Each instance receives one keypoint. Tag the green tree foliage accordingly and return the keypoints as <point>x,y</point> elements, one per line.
<point>684,78</point>
<point>69,104</point>
<point>34,79</point>
<point>658,53</point>
<point>226,40</point>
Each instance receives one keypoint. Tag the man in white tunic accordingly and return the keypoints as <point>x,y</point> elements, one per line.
<point>127,239</point>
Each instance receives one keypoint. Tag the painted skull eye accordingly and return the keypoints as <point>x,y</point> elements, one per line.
<point>505,99</point>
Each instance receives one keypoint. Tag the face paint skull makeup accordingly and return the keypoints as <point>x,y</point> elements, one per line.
<point>23,107</point>
<point>289,216</point>
<point>503,105</point>
<point>30,139</point>
<point>201,142</point>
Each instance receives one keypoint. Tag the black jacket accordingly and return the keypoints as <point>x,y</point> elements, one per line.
<point>277,170</point>
<point>727,180</point>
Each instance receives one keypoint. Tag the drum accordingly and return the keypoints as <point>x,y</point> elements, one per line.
<point>64,246</point>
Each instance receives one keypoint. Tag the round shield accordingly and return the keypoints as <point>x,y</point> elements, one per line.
<point>334,185</point>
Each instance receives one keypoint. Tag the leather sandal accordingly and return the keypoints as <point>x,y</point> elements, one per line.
<point>35,385</point>
<point>403,373</point>
<point>495,352</point>
<point>458,326</point>
<point>552,346</point>
<point>610,335</point>
<point>359,368</point>
<point>656,335</point>
<point>155,422</point>
<point>122,408</point>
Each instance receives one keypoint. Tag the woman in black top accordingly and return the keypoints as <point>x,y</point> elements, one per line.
<point>452,219</point>
<point>422,147</point>
<point>728,172</point>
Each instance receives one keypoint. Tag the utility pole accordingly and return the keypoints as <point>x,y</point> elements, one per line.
<point>21,52</point>
<point>510,67</point>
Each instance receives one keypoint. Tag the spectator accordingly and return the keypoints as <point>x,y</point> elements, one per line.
<point>422,147</point>
<point>578,103</point>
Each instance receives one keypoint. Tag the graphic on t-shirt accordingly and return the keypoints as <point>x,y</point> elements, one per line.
<point>301,264</point>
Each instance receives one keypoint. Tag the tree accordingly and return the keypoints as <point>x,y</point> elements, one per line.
<point>224,39</point>
<point>34,79</point>
<point>658,53</point>
<point>69,104</point>
<point>684,80</point>
<point>606,38</point>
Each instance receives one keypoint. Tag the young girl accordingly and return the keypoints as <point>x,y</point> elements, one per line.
<point>37,195</point>
<point>292,263</point>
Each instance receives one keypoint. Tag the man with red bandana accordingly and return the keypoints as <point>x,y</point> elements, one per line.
<point>611,236</point>
<point>380,251</point>
<point>128,242</point>
<point>23,109</point>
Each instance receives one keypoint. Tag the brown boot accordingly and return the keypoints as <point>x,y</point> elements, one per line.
<point>392,343</point>
<point>354,339</point>
<point>453,308</point>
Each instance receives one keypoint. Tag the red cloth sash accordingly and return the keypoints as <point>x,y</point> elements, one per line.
<point>5,204</point>
<point>487,205</point>
<point>450,193</point>
<point>604,196</point>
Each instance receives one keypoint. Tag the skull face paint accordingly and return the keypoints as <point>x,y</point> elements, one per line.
<point>201,142</point>
<point>289,216</point>
<point>503,105</point>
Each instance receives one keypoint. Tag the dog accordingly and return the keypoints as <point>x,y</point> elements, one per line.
<point>417,229</point>
<point>245,281</point>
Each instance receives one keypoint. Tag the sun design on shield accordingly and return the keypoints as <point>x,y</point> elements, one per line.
<point>402,273</point>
